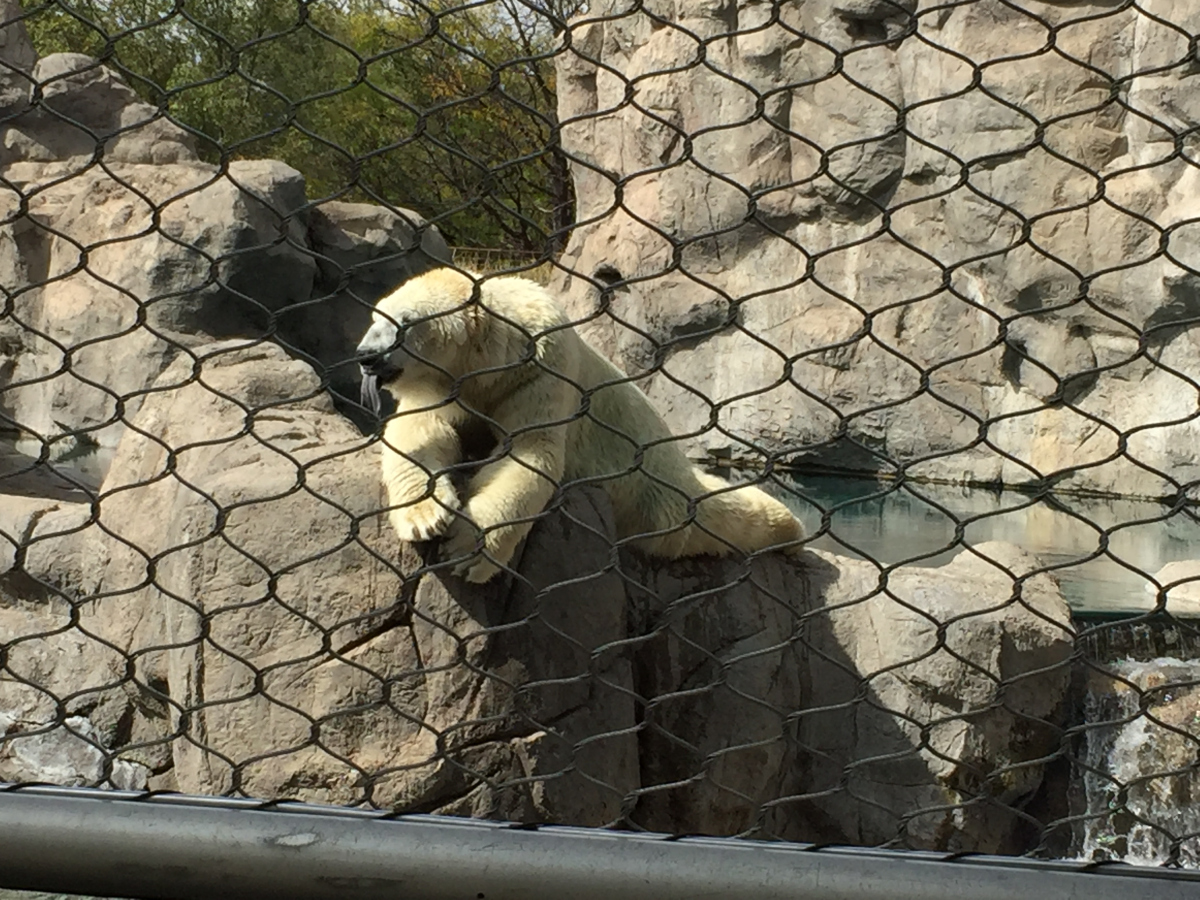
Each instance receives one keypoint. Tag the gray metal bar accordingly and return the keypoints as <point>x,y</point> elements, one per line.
<point>94,842</point>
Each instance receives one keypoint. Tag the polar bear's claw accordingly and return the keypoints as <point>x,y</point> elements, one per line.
<point>422,521</point>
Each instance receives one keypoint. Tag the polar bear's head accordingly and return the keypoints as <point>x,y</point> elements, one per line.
<point>428,318</point>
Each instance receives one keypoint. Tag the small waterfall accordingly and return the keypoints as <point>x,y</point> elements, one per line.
<point>1141,778</point>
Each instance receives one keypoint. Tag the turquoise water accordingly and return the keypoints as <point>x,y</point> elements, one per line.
<point>1103,549</point>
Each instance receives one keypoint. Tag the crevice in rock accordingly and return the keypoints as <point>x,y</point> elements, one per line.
<point>399,617</point>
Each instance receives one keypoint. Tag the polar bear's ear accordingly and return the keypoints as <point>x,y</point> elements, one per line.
<point>397,319</point>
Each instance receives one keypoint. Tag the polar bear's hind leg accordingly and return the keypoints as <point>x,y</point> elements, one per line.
<point>738,519</point>
<point>654,517</point>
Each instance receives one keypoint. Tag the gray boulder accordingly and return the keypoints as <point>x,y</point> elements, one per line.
<point>18,58</point>
<point>118,298</point>
<point>911,727</point>
<point>85,109</point>
<point>248,623</point>
<point>124,250</point>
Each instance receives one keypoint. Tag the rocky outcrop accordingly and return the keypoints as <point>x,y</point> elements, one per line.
<point>229,612</point>
<point>822,203</point>
<point>1139,779</point>
<point>305,661</point>
<point>246,622</point>
<point>85,108</point>
<point>120,250</point>
<point>234,253</point>
<point>1179,583</point>
<point>967,674</point>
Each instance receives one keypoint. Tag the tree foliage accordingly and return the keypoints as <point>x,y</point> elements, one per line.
<point>447,109</point>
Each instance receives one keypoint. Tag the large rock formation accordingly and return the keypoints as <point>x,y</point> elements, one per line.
<point>229,613</point>
<point>239,618</point>
<point>822,203</point>
<point>120,249</point>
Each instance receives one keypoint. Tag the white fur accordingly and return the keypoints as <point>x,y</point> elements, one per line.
<point>451,336</point>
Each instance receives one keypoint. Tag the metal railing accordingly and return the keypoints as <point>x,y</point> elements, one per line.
<point>76,841</point>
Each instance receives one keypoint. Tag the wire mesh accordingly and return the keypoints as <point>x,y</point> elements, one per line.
<point>914,284</point>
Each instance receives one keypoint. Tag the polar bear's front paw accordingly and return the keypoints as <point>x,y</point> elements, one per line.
<point>477,571</point>
<point>422,521</point>
<point>462,547</point>
<point>425,519</point>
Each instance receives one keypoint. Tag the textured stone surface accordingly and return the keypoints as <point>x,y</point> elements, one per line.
<point>283,648</point>
<point>1135,802</point>
<point>84,104</point>
<point>115,268</point>
<point>70,755</point>
<point>709,636</point>
<point>18,518</point>
<point>822,311</point>
<point>64,705</point>
<point>945,718</point>
<point>373,688</point>
<point>183,278</point>
<point>16,52</point>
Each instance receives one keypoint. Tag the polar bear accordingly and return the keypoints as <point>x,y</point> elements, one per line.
<point>499,355</point>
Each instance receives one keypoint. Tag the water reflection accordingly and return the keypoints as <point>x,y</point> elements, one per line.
<point>1106,548</point>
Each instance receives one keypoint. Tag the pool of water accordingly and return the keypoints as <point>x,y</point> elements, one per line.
<point>1102,549</point>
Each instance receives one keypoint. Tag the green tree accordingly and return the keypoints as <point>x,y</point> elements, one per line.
<point>447,109</point>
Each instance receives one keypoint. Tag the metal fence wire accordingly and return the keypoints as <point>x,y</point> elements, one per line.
<point>915,285</point>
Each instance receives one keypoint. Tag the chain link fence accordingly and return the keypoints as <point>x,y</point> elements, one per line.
<point>916,286</point>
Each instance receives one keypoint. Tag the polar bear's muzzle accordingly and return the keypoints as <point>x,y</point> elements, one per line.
<point>374,373</point>
<point>381,367</point>
<point>379,360</point>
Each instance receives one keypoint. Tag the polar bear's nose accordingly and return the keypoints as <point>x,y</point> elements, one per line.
<point>379,341</point>
<point>371,363</point>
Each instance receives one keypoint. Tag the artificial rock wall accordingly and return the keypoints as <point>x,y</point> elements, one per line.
<point>963,236</point>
